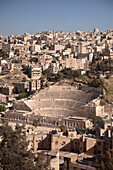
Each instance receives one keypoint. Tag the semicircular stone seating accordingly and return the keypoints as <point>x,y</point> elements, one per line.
<point>60,103</point>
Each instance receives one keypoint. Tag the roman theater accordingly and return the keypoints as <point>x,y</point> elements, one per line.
<point>62,101</point>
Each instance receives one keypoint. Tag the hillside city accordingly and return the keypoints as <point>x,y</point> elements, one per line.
<point>56,90</point>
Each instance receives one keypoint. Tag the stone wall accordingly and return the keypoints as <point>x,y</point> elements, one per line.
<point>92,89</point>
<point>21,106</point>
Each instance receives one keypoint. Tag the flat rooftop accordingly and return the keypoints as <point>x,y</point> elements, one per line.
<point>76,118</point>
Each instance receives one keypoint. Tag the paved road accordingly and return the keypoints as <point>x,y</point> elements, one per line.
<point>12,123</point>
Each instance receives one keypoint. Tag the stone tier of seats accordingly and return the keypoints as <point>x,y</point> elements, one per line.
<point>77,95</point>
<point>60,103</point>
<point>67,104</point>
<point>56,112</point>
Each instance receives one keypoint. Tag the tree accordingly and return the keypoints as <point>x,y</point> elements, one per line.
<point>97,120</point>
<point>31,92</point>
<point>2,108</point>
<point>35,123</point>
<point>102,102</point>
<point>13,152</point>
<point>97,83</point>
<point>25,69</point>
<point>63,128</point>
<point>15,90</point>
<point>60,75</point>
<point>46,72</point>
<point>24,79</point>
<point>22,95</point>
<point>106,161</point>
<point>77,73</point>
<point>34,59</point>
<point>43,163</point>
<point>17,52</point>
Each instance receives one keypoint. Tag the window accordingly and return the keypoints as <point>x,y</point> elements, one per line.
<point>56,142</point>
<point>99,143</point>
<point>63,143</point>
<point>28,141</point>
<point>99,152</point>
<point>38,140</point>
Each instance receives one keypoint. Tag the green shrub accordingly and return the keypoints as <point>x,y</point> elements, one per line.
<point>22,95</point>
<point>96,119</point>
<point>102,102</point>
<point>2,108</point>
<point>97,83</point>
<point>10,101</point>
<point>34,59</point>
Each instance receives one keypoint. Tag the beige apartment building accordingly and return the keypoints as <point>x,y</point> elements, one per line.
<point>70,143</point>
<point>75,63</point>
<point>55,67</point>
<point>35,72</point>
<point>35,84</point>
<point>5,46</point>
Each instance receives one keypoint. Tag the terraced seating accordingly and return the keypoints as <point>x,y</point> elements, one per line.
<point>77,95</point>
<point>69,104</point>
<point>53,112</point>
<point>39,96</point>
<point>57,94</point>
<point>80,96</point>
<point>60,103</point>
<point>45,103</point>
<point>49,95</point>
<point>76,106</point>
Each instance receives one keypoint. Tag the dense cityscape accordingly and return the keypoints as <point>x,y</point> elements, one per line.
<point>56,100</point>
